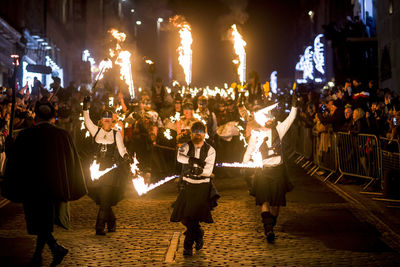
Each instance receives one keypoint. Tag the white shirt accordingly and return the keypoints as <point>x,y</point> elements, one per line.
<point>210,159</point>
<point>104,137</point>
<point>256,138</point>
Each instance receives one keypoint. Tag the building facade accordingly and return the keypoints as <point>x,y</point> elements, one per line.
<point>388,34</point>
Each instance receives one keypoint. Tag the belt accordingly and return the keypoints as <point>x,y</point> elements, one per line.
<point>196,181</point>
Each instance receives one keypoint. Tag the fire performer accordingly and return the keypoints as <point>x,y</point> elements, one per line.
<point>198,195</point>
<point>109,150</point>
<point>43,172</point>
<point>271,183</point>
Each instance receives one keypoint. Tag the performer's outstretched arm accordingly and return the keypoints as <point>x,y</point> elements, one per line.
<point>89,124</point>
<point>285,125</point>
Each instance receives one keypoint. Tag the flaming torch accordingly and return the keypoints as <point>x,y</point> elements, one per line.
<point>95,173</point>
<point>239,44</point>
<point>123,59</point>
<point>139,184</point>
<point>185,49</point>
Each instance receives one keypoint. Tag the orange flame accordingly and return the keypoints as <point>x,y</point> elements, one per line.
<point>185,49</point>
<point>239,45</point>
<point>95,173</point>
<point>120,36</point>
<point>103,66</point>
<point>123,59</point>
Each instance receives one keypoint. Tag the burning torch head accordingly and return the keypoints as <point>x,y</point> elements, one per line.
<point>198,130</point>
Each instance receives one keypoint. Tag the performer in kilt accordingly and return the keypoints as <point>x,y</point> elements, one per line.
<point>271,183</point>
<point>109,149</point>
<point>198,195</point>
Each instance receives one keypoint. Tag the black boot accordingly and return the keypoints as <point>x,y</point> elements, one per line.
<point>111,222</point>
<point>199,238</point>
<point>37,259</point>
<point>101,222</point>
<point>188,244</point>
<point>268,221</point>
<point>59,253</point>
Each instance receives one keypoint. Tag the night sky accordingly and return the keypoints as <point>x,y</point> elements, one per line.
<point>267,26</point>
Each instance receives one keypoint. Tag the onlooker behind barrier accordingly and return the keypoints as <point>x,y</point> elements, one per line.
<point>335,115</point>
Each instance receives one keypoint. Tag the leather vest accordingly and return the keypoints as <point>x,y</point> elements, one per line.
<point>105,154</point>
<point>203,155</point>
<point>276,146</point>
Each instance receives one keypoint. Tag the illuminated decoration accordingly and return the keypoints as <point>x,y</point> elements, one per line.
<point>274,82</point>
<point>306,65</point>
<point>319,58</point>
<point>312,62</point>
<point>185,48</point>
<point>57,71</point>
<point>148,61</point>
<point>239,46</point>
<point>28,77</point>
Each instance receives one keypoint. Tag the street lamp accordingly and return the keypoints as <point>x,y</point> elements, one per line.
<point>132,10</point>
<point>159,20</point>
<point>138,22</point>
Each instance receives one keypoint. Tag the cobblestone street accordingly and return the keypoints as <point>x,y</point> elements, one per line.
<point>317,228</point>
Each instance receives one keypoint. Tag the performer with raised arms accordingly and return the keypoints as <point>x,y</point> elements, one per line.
<point>109,150</point>
<point>271,183</point>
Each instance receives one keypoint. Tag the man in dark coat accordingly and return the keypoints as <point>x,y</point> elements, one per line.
<point>43,172</point>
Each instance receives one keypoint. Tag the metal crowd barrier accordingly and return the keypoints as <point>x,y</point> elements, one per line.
<point>389,145</point>
<point>390,181</point>
<point>352,155</point>
<point>325,153</point>
<point>359,156</point>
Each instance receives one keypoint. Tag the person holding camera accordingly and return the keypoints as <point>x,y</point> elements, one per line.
<point>109,149</point>
<point>197,196</point>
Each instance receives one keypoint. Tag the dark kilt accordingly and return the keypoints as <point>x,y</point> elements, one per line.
<point>193,203</point>
<point>271,185</point>
<point>116,179</point>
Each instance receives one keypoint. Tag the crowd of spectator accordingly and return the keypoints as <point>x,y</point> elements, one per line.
<point>353,108</point>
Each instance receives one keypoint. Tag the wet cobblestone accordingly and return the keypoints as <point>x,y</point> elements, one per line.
<point>317,228</point>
